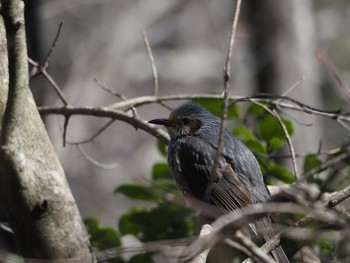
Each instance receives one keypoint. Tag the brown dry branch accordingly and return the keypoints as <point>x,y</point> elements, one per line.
<point>115,111</point>
<point>226,225</point>
<point>331,202</point>
<point>333,72</point>
<point>41,68</point>
<point>153,64</point>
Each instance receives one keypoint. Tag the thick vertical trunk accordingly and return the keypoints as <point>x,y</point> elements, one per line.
<point>41,208</point>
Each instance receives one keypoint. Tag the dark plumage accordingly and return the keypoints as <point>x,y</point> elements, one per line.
<point>193,143</point>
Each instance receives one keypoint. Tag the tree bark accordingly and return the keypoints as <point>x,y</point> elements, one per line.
<point>41,208</point>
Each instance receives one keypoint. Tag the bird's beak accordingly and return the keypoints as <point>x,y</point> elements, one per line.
<point>164,122</point>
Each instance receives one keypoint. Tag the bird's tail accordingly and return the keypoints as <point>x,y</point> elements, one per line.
<point>278,253</point>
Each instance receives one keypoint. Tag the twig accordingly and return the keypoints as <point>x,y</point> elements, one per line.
<point>153,64</point>
<point>227,224</point>
<point>114,93</point>
<point>55,86</point>
<point>274,113</point>
<point>114,110</point>
<point>94,136</point>
<point>290,144</point>
<point>257,254</point>
<point>227,86</point>
<point>331,202</point>
<point>41,68</point>
<point>329,163</point>
<point>295,85</point>
<point>332,70</point>
<point>47,58</point>
<point>95,162</point>
<point>202,257</point>
<point>109,113</point>
<point>65,126</point>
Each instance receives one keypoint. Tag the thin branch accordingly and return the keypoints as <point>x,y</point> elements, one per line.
<point>329,163</point>
<point>333,72</point>
<point>95,162</point>
<point>202,257</point>
<point>49,53</point>
<point>94,136</point>
<point>227,86</point>
<point>228,224</point>
<point>109,113</point>
<point>114,110</point>
<point>257,254</point>
<point>41,68</point>
<point>271,99</point>
<point>274,113</point>
<point>108,90</point>
<point>290,144</point>
<point>295,85</point>
<point>65,126</point>
<point>331,202</point>
<point>114,93</point>
<point>57,89</point>
<point>153,64</point>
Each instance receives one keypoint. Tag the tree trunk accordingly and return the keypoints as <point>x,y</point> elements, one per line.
<point>41,208</point>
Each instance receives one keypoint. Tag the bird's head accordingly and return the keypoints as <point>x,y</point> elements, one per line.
<point>187,120</point>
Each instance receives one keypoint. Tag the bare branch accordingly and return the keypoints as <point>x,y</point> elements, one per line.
<point>329,163</point>
<point>49,53</point>
<point>94,136</point>
<point>109,113</point>
<point>202,258</point>
<point>331,202</point>
<point>333,72</point>
<point>257,253</point>
<point>95,162</point>
<point>153,64</point>
<point>114,110</point>
<point>289,141</point>
<point>290,144</point>
<point>53,83</point>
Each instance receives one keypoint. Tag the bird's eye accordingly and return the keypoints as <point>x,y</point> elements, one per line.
<point>186,120</point>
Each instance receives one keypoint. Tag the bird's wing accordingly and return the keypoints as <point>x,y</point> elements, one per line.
<point>196,162</point>
<point>228,192</point>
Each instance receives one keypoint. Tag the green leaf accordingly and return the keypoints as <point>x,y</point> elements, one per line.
<point>276,143</point>
<point>281,173</point>
<point>106,237</point>
<point>215,107</point>
<point>256,110</point>
<point>162,148</point>
<point>166,221</point>
<point>100,236</point>
<point>256,146</point>
<point>161,171</point>
<point>129,223</point>
<point>311,161</point>
<point>243,133</point>
<point>269,127</point>
<point>138,192</point>
<point>92,225</point>
<point>141,258</point>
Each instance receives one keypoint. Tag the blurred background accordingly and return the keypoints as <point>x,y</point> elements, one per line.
<point>275,48</point>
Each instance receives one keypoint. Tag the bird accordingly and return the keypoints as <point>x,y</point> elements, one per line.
<point>194,134</point>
